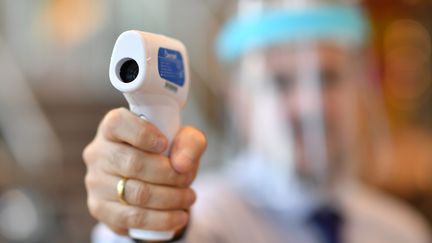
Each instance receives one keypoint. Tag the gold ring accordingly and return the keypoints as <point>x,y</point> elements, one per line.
<point>121,190</point>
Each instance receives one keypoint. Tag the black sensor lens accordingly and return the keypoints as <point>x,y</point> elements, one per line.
<point>129,71</point>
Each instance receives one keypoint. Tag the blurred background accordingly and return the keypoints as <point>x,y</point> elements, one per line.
<point>54,89</point>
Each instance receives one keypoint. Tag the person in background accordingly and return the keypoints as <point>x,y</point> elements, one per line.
<point>298,75</point>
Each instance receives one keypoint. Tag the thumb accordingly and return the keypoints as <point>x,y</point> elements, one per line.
<point>188,147</point>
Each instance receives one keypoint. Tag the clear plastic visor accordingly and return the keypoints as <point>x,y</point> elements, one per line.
<point>297,104</point>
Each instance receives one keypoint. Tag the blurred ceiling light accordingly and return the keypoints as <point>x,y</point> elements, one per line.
<point>70,22</point>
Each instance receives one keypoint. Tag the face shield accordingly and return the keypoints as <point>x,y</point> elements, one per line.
<point>294,96</point>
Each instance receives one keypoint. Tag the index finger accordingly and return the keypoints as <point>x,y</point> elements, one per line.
<point>121,125</point>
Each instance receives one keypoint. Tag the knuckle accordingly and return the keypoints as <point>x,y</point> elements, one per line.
<point>190,198</point>
<point>186,199</point>
<point>120,152</point>
<point>89,181</point>
<point>145,137</point>
<point>114,116</point>
<point>87,153</point>
<point>132,165</point>
<point>169,221</point>
<point>166,221</point>
<point>94,207</point>
<point>143,193</point>
<point>141,135</point>
<point>175,178</point>
<point>182,200</point>
<point>134,218</point>
<point>115,158</point>
<point>112,119</point>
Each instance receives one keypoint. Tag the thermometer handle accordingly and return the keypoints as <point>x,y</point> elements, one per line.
<point>164,113</point>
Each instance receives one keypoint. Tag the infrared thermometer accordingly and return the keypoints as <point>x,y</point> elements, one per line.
<point>152,71</point>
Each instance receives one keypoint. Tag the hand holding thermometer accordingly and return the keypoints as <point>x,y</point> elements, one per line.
<point>152,71</point>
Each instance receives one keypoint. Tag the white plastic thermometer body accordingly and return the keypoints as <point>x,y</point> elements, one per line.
<point>156,92</point>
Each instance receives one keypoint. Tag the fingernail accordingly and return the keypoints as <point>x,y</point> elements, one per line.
<point>183,161</point>
<point>161,144</point>
<point>158,143</point>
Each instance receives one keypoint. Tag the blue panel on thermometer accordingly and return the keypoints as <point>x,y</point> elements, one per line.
<point>170,66</point>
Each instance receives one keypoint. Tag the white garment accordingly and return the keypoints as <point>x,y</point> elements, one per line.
<point>228,212</point>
